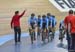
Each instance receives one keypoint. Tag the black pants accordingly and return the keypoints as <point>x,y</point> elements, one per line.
<point>17,32</point>
<point>73,42</point>
<point>68,40</point>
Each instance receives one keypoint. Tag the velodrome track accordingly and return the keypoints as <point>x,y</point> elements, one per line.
<point>26,46</point>
<point>8,7</point>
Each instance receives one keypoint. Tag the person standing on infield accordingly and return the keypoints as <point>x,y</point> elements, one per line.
<point>66,23</point>
<point>15,24</point>
<point>72,31</point>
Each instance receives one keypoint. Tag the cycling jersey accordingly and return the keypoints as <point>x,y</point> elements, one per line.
<point>44,23</point>
<point>32,22</point>
<point>54,22</point>
<point>48,21</point>
<point>39,22</point>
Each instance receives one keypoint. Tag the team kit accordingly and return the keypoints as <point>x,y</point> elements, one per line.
<point>43,27</point>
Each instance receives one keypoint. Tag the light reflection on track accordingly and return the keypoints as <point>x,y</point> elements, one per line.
<point>38,46</point>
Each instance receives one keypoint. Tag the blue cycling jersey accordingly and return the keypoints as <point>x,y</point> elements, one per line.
<point>44,23</point>
<point>32,20</point>
<point>39,22</point>
<point>54,22</point>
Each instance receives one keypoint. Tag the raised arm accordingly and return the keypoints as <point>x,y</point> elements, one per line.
<point>22,13</point>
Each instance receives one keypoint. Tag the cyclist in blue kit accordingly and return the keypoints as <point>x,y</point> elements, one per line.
<point>32,26</point>
<point>54,22</point>
<point>44,27</point>
<point>39,25</point>
<point>49,25</point>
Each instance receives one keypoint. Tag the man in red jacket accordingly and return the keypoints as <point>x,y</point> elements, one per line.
<point>72,30</point>
<point>66,22</point>
<point>15,23</point>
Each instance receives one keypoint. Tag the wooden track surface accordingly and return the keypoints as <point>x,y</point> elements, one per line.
<point>8,7</point>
